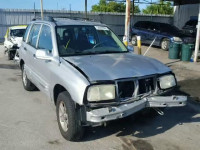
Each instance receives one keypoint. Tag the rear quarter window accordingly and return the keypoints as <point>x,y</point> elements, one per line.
<point>26,33</point>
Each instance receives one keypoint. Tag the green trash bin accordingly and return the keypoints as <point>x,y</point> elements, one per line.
<point>186,52</point>
<point>174,50</point>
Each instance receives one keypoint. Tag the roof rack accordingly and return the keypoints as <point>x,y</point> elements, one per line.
<point>48,18</point>
<point>78,18</point>
<point>52,19</point>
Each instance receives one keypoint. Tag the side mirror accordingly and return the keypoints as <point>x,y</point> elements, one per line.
<point>130,48</point>
<point>43,54</point>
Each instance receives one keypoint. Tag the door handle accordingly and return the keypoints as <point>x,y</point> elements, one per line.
<point>34,56</point>
<point>25,49</point>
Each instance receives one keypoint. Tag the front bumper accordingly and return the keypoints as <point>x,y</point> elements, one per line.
<point>115,112</point>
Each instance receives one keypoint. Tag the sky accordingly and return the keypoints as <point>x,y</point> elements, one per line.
<point>77,5</point>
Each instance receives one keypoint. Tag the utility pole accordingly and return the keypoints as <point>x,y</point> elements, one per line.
<point>133,9</point>
<point>127,23</point>
<point>34,11</point>
<point>70,10</point>
<point>42,15</point>
<point>85,9</point>
<point>197,39</point>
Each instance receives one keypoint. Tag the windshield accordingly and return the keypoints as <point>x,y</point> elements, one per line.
<point>192,23</point>
<point>17,32</point>
<point>84,40</point>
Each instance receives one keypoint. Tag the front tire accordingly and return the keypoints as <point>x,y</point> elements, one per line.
<point>67,118</point>
<point>165,44</point>
<point>28,85</point>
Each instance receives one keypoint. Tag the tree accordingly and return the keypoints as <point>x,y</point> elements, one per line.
<point>164,8</point>
<point>104,6</point>
<point>136,9</point>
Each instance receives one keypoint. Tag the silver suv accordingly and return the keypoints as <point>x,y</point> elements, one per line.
<point>90,75</point>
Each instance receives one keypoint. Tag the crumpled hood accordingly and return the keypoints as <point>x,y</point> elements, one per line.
<point>17,40</point>
<point>116,66</point>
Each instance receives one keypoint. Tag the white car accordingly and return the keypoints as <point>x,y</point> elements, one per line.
<point>13,39</point>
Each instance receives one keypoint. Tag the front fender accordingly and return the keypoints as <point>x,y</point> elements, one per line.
<point>71,79</point>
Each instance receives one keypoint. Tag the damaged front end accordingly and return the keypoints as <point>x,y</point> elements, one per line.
<point>131,96</point>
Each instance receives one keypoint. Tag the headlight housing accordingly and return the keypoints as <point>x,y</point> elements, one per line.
<point>177,39</point>
<point>101,93</point>
<point>167,81</point>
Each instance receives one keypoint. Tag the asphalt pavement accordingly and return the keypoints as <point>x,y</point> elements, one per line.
<point>28,122</point>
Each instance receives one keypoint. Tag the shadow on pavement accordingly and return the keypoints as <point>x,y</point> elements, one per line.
<point>8,66</point>
<point>190,87</point>
<point>170,63</point>
<point>141,125</point>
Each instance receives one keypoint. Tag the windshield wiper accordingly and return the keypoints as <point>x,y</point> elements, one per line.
<point>108,52</point>
<point>94,53</point>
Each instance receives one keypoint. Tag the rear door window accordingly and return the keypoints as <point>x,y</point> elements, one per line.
<point>141,25</point>
<point>137,25</point>
<point>45,40</point>
<point>33,36</point>
<point>144,25</point>
<point>153,26</point>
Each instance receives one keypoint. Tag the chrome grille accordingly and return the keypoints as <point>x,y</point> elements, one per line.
<point>146,85</point>
<point>126,89</point>
<point>135,87</point>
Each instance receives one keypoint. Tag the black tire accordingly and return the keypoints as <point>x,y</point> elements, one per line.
<point>74,130</point>
<point>29,86</point>
<point>165,44</point>
<point>10,55</point>
<point>134,40</point>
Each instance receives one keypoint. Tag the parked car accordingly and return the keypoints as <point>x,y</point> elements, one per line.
<point>90,75</point>
<point>164,33</point>
<point>190,27</point>
<point>13,39</point>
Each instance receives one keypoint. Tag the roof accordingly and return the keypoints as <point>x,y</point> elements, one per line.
<point>184,2</point>
<point>18,27</point>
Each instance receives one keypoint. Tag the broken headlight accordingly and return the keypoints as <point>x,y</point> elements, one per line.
<point>101,92</point>
<point>167,81</point>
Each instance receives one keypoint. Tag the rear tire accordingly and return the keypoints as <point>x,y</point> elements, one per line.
<point>67,117</point>
<point>10,55</point>
<point>134,40</point>
<point>165,44</point>
<point>28,85</point>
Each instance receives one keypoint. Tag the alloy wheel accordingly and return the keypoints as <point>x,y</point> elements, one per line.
<point>63,117</point>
